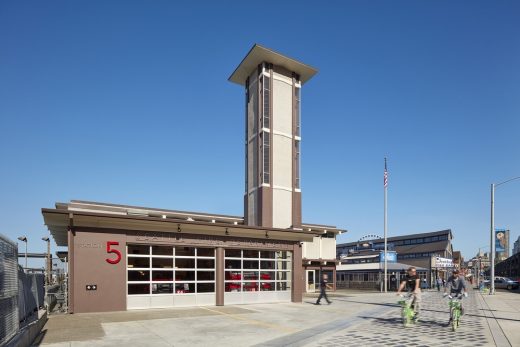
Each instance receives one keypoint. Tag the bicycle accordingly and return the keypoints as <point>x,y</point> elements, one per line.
<point>455,310</point>
<point>407,312</point>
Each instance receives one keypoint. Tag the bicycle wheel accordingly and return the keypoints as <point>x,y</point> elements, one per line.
<point>406,316</point>
<point>455,320</point>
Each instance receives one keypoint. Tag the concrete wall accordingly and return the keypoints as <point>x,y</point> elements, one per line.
<point>320,248</point>
<point>282,151</point>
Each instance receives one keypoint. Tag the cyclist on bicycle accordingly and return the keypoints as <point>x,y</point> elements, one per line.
<point>456,286</point>
<point>412,282</point>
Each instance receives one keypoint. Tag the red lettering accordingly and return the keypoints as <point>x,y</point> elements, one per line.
<point>115,251</point>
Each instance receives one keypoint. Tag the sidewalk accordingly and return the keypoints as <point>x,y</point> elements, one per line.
<point>353,318</point>
<point>503,316</point>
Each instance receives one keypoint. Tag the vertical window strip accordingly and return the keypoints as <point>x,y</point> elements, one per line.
<point>267,145</point>
<point>246,130</point>
<point>297,163</point>
<point>297,109</point>
<point>267,101</point>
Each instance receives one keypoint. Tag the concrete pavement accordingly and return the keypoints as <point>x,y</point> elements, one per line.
<point>364,319</point>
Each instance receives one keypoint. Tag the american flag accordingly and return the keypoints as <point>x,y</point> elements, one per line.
<point>385,179</point>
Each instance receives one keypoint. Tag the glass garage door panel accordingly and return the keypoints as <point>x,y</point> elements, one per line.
<point>166,276</point>
<point>253,276</point>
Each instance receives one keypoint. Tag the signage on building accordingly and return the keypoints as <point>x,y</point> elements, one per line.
<point>391,257</point>
<point>442,262</point>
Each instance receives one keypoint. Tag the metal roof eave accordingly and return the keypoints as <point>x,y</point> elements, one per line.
<point>258,54</point>
<point>58,222</point>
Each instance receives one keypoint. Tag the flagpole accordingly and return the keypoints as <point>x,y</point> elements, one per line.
<point>385,254</point>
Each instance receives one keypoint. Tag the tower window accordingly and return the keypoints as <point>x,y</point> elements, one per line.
<point>267,145</point>
<point>266,83</point>
<point>297,164</point>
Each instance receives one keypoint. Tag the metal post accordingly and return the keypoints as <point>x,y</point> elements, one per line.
<point>492,245</point>
<point>385,226</point>
<point>49,263</point>
<point>26,256</point>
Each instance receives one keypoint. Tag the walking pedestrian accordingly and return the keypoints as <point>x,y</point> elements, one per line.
<point>324,285</point>
<point>439,284</point>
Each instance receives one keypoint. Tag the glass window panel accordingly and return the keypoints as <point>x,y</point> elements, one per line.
<point>162,275</point>
<point>185,276</point>
<point>182,288</point>
<point>267,275</point>
<point>281,255</point>
<point>205,287</point>
<point>205,252</point>
<point>162,250</point>
<point>233,264</point>
<point>205,263</point>
<point>250,264</point>
<point>283,265</point>
<point>205,275</point>
<point>138,262</point>
<point>283,276</point>
<point>162,288</point>
<point>233,287</point>
<point>162,263</point>
<point>266,264</point>
<point>283,286</point>
<point>267,286</point>
<point>267,254</point>
<point>138,275</point>
<point>250,286</point>
<point>184,263</point>
<point>135,289</point>
<point>250,275</point>
<point>250,253</point>
<point>234,276</point>
<point>184,251</point>
<point>138,249</point>
<point>233,253</point>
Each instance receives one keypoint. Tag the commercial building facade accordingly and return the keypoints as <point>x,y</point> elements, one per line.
<point>419,250</point>
<point>128,257</point>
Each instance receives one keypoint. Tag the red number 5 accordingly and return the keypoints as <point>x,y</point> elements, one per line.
<point>115,251</point>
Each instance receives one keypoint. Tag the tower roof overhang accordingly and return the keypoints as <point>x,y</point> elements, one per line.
<point>259,54</point>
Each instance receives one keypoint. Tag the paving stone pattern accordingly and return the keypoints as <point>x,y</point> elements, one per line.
<point>386,329</point>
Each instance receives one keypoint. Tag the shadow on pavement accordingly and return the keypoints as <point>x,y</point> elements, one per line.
<point>398,321</point>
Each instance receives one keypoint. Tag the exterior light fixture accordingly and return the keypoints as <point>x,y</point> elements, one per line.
<point>179,228</point>
<point>24,239</point>
<point>266,234</point>
<point>227,231</point>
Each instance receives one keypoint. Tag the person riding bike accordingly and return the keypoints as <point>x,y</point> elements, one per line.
<point>456,286</point>
<point>412,282</point>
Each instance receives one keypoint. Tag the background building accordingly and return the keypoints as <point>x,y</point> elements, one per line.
<point>516,246</point>
<point>419,250</point>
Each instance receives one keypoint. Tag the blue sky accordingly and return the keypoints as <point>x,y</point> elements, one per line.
<point>128,102</point>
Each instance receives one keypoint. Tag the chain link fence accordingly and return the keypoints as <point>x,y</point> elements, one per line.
<point>9,276</point>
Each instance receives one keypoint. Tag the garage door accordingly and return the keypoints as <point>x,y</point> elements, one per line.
<point>168,276</point>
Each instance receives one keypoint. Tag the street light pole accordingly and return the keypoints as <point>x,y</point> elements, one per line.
<point>492,243</point>
<point>24,239</point>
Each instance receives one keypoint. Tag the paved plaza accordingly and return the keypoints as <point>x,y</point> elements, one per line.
<point>357,319</point>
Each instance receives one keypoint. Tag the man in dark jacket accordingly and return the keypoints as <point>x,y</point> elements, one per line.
<point>324,284</point>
